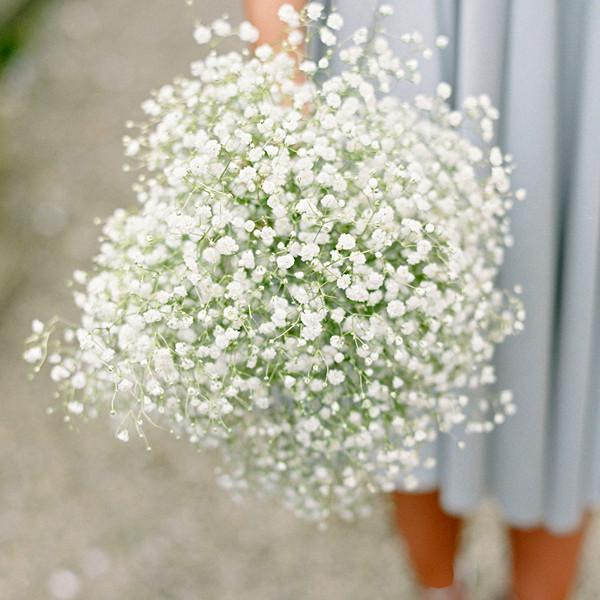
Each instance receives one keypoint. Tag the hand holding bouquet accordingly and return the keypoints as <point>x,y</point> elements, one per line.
<point>306,285</point>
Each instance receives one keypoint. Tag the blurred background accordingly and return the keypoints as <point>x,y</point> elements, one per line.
<point>83,516</point>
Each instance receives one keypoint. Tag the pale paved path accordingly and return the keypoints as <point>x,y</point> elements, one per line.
<point>92,517</point>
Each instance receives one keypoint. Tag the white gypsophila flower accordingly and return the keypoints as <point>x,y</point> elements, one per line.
<point>285,262</point>
<point>33,355</point>
<point>335,376</point>
<point>308,67</point>
<point>360,36</point>
<point>264,52</point>
<point>289,15</point>
<point>314,10</point>
<point>221,27</point>
<point>333,100</point>
<point>520,194</point>
<point>123,435</point>
<point>327,36</point>
<point>307,283</point>
<point>444,90</point>
<point>441,41</point>
<point>248,33</point>
<point>396,308</point>
<point>335,21</point>
<point>346,242</point>
<point>226,245</point>
<point>202,34</point>
<point>295,38</point>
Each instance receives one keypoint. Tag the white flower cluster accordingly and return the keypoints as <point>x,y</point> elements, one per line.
<point>308,281</point>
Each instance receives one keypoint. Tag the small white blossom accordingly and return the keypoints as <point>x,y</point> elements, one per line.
<point>58,373</point>
<point>314,10</point>
<point>264,52</point>
<point>248,33</point>
<point>285,262</point>
<point>211,255</point>
<point>33,355</point>
<point>79,380</point>
<point>443,90</point>
<point>247,260</point>
<point>80,277</point>
<point>335,376</point>
<point>123,435</point>
<point>221,27</point>
<point>335,21</point>
<point>289,15</point>
<point>346,242</point>
<point>327,37</point>
<point>202,34</point>
<point>333,100</point>
<point>125,385</point>
<point>295,38</point>
<point>496,156</point>
<point>308,67</point>
<point>441,41</point>
<point>337,314</point>
<point>357,293</point>
<point>360,36</point>
<point>396,308</point>
<point>226,245</point>
<point>344,281</point>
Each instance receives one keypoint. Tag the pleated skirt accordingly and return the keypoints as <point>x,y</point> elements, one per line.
<point>539,60</point>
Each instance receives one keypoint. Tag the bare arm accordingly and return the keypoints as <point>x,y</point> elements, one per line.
<point>263,15</point>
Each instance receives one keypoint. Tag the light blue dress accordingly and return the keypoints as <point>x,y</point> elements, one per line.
<point>539,60</point>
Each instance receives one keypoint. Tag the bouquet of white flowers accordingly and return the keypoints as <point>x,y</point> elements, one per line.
<point>307,283</point>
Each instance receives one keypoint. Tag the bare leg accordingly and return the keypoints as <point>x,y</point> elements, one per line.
<point>431,536</point>
<point>544,564</point>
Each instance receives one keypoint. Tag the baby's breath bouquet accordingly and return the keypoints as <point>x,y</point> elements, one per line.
<point>307,283</point>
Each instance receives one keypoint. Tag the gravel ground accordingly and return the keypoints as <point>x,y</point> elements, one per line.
<point>81,515</point>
